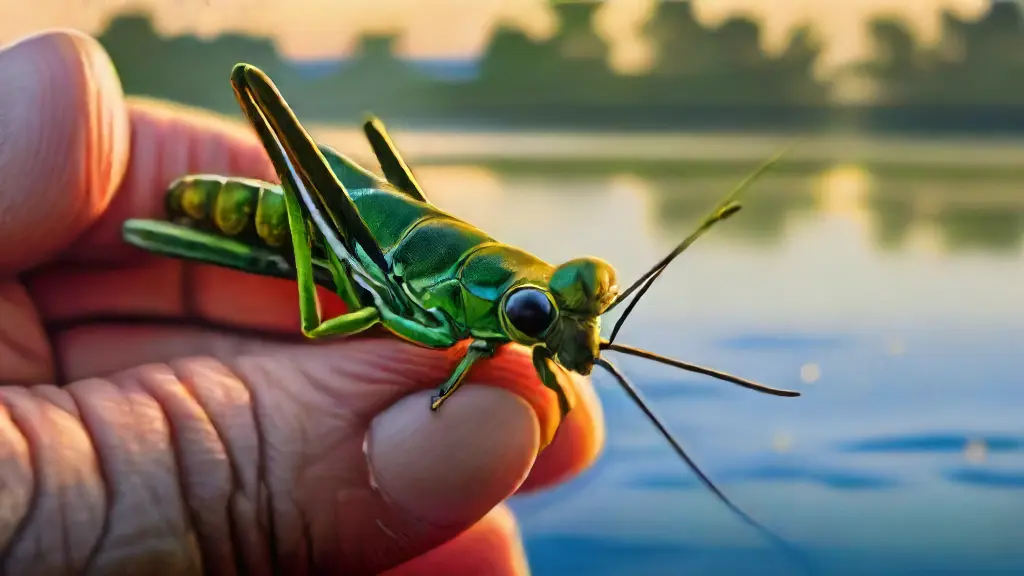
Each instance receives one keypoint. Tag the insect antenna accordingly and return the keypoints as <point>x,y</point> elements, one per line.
<point>726,207</point>
<point>749,384</point>
<point>634,393</point>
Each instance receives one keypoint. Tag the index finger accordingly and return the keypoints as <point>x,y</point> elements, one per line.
<point>76,158</point>
<point>63,143</point>
<point>168,141</point>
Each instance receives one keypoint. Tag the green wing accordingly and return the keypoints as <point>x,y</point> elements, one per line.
<point>352,175</point>
<point>304,170</point>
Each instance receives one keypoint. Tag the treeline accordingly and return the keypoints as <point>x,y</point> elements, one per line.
<point>703,78</point>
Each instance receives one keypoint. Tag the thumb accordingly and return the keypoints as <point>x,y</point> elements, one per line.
<point>303,458</point>
<point>368,474</point>
<point>64,141</point>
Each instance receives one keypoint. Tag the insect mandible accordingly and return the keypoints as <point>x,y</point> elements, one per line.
<point>398,261</point>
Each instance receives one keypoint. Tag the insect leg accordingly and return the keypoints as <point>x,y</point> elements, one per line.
<point>313,326</point>
<point>477,349</point>
<point>179,241</point>
<point>542,364</point>
<point>342,275</point>
<point>391,162</point>
<point>439,336</point>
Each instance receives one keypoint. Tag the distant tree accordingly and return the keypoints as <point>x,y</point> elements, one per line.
<point>185,68</point>
<point>726,65</point>
<point>976,63</point>
<point>568,69</point>
<point>373,80</point>
<point>704,77</point>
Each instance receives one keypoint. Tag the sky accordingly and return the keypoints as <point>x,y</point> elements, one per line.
<point>449,29</point>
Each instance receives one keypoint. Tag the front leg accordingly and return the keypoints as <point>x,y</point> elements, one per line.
<point>441,335</point>
<point>477,349</point>
<point>542,363</point>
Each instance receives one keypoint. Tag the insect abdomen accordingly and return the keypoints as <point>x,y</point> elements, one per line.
<point>235,207</point>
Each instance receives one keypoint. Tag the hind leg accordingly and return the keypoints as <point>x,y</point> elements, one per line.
<point>358,318</point>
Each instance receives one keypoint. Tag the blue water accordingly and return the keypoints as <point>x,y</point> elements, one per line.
<point>896,307</point>
<point>878,478</point>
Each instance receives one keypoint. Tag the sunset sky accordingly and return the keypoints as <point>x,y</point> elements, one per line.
<point>460,28</point>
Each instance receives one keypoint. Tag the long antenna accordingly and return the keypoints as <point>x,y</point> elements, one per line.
<point>634,393</point>
<point>726,207</point>
<point>749,384</point>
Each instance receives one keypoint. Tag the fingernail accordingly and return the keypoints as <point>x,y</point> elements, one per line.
<point>453,465</point>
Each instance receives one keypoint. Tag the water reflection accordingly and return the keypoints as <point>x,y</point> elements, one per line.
<point>833,244</point>
<point>986,216</point>
<point>680,202</point>
<point>892,299</point>
<point>972,198</point>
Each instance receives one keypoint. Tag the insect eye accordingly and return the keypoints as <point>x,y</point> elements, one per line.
<point>530,312</point>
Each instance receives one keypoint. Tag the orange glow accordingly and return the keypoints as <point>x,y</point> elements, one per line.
<point>460,28</point>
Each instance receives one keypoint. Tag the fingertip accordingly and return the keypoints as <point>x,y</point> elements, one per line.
<point>451,466</point>
<point>576,445</point>
<point>64,140</point>
<point>448,468</point>
<point>512,368</point>
<point>492,546</point>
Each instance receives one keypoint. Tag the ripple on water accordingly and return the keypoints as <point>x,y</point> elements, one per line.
<point>933,443</point>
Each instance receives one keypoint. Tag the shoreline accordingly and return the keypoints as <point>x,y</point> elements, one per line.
<point>437,146</point>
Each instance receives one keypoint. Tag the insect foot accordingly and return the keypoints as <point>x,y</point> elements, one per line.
<point>477,349</point>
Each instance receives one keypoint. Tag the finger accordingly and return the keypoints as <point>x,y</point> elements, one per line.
<point>63,143</point>
<point>76,159</point>
<point>99,350</point>
<point>162,290</point>
<point>168,142</point>
<point>234,299</point>
<point>168,288</point>
<point>577,443</point>
<point>25,353</point>
<point>303,458</point>
<point>492,547</point>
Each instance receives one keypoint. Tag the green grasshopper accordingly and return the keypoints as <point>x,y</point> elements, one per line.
<point>397,260</point>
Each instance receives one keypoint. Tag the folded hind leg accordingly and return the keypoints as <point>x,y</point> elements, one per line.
<point>358,317</point>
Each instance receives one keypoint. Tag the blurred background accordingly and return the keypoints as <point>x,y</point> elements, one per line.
<point>879,268</point>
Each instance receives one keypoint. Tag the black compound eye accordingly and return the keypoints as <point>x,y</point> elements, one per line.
<point>530,311</point>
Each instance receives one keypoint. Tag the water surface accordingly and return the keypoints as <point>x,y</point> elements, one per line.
<point>895,302</point>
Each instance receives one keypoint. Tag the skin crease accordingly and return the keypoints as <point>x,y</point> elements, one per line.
<point>189,444</point>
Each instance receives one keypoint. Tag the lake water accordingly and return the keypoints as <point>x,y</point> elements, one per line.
<point>894,301</point>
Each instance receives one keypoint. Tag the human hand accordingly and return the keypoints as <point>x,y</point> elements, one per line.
<point>183,440</point>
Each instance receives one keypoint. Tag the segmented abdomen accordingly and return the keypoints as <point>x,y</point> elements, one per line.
<point>236,207</point>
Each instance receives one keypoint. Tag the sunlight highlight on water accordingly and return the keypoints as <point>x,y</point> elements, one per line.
<point>909,460</point>
<point>843,190</point>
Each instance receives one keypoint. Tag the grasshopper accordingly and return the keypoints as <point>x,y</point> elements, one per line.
<point>398,261</point>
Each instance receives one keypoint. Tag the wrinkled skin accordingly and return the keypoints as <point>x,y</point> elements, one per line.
<point>190,443</point>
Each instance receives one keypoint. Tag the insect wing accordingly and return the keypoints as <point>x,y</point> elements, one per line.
<point>352,175</point>
<point>300,162</point>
